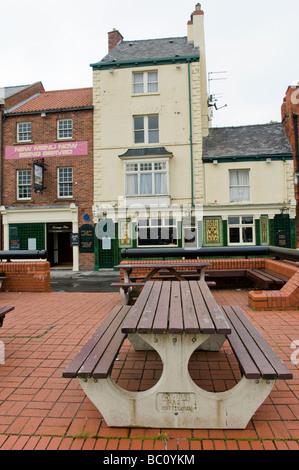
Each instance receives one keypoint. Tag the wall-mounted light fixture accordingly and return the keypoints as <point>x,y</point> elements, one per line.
<point>215,162</point>
<point>43,114</point>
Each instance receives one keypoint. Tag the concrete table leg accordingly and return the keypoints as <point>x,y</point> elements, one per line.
<point>176,401</point>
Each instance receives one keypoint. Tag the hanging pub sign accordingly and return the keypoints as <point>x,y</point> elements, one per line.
<point>86,239</point>
<point>38,178</point>
<point>38,168</point>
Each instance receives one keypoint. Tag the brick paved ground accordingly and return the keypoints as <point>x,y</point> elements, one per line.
<point>41,410</point>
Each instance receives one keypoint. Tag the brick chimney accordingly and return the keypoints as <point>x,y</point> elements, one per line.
<point>114,38</point>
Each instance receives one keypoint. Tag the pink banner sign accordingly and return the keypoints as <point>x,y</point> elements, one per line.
<point>61,149</point>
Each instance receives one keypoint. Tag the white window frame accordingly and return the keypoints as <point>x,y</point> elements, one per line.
<point>143,86</point>
<point>22,184</point>
<point>146,130</point>
<point>153,171</point>
<point>240,188</point>
<point>67,132</point>
<point>24,135</point>
<point>152,225</point>
<point>68,182</point>
<point>242,224</point>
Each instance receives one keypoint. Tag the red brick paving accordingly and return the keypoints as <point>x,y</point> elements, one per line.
<point>41,410</point>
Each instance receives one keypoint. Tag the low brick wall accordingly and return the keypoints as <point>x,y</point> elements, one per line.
<point>285,298</point>
<point>26,276</point>
<point>236,263</point>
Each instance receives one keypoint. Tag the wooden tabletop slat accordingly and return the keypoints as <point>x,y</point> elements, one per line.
<point>206,325</point>
<point>175,310</point>
<point>189,314</point>
<point>133,317</point>
<point>160,324</point>
<point>220,322</point>
<point>147,319</point>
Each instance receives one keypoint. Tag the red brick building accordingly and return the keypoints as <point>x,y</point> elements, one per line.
<point>47,176</point>
<point>290,120</point>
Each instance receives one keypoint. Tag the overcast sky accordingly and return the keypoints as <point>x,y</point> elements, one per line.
<point>255,42</point>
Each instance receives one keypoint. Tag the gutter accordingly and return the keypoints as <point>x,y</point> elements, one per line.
<point>249,158</point>
<point>121,64</point>
<point>191,134</point>
<point>48,111</point>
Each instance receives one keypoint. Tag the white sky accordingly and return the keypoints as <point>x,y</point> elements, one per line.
<point>255,43</point>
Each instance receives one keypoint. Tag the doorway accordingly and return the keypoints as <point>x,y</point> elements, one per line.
<point>59,247</point>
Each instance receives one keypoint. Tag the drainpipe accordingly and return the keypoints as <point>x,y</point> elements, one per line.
<point>191,133</point>
<point>2,117</point>
<point>295,122</point>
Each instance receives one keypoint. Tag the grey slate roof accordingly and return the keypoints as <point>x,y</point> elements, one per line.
<point>253,140</point>
<point>151,49</point>
<point>7,92</point>
<point>145,152</point>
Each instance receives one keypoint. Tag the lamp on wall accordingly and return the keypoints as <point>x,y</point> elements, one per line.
<point>43,114</point>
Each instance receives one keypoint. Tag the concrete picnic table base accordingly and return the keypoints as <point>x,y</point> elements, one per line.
<point>176,401</point>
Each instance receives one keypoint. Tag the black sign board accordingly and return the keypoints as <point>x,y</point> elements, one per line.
<point>86,237</point>
<point>60,227</point>
<point>282,239</point>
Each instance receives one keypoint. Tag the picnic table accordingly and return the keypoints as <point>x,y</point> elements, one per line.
<point>175,319</point>
<point>179,271</point>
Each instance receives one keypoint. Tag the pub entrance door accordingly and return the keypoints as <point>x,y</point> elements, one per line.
<point>59,247</point>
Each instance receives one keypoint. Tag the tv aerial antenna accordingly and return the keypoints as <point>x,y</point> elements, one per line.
<point>213,98</point>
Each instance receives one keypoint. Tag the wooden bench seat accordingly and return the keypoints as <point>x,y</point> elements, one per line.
<point>216,273</point>
<point>265,278</point>
<point>3,312</point>
<point>256,357</point>
<point>96,357</point>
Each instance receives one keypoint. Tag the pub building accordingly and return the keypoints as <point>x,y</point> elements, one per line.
<point>47,164</point>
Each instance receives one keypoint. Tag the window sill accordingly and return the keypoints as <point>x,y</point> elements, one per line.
<point>19,201</point>
<point>136,95</point>
<point>24,142</point>
<point>59,199</point>
<point>147,200</point>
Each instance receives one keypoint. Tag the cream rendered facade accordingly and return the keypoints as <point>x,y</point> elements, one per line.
<point>182,109</point>
<point>114,134</point>
<point>271,197</point>
<point>198,198</point>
